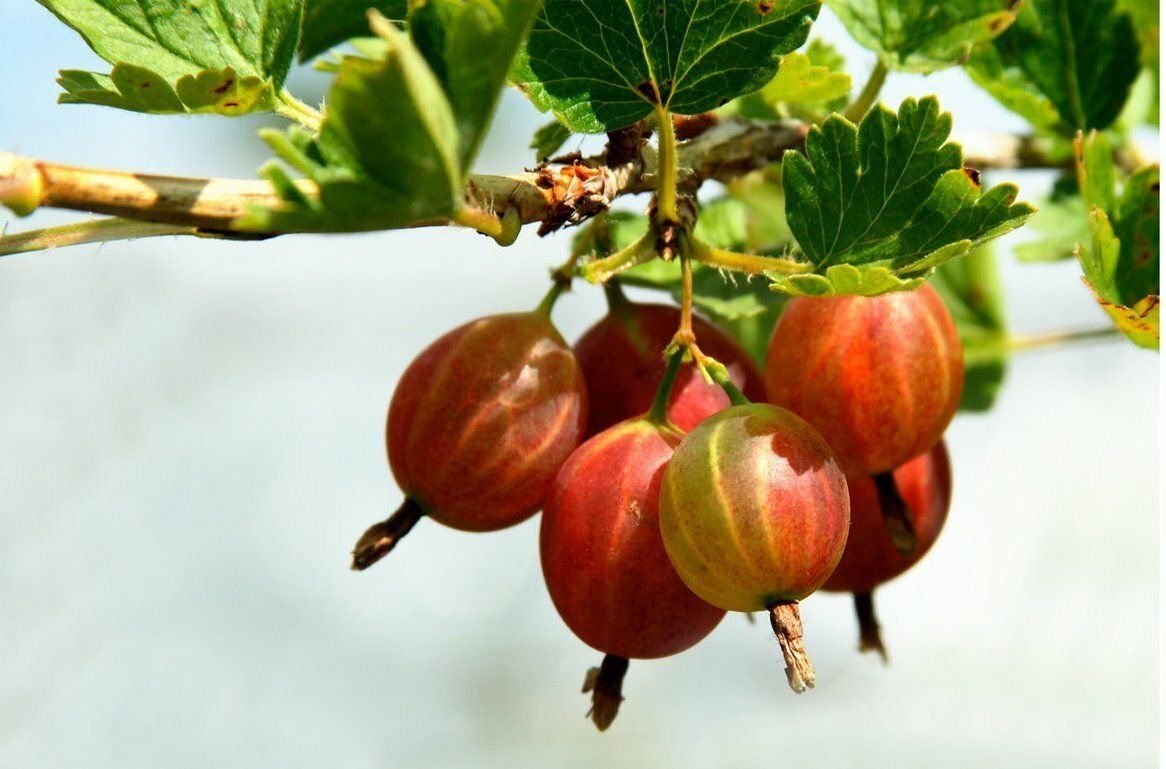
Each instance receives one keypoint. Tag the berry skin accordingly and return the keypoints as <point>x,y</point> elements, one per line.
<point>479,425</point>
<point>621,361</point>
<point>604,562</point>
<point>880,377</point>
<point>754,512</point>
<point>483,419</point>
<point>871,559</point>
<point>602,554</point>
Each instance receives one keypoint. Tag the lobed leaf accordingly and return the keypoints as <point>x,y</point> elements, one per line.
<point>328,23</point>
<point>890,194</point>
<point>600,65</point>
<point>470,46</point>
<point>1121,263</point>
<point>799,83</point>
<point>174,56</point>
<point>387,153</point>
<point>924,35</point>
<point>1059,225</point>
<point>1064,65</point>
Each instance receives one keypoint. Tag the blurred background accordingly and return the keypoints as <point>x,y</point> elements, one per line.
<point>191,440</point>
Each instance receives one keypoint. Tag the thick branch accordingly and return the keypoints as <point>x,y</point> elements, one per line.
<point>555,194</point>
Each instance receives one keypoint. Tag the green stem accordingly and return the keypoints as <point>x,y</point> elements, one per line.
<point>1027,343</point>
<point>548,301</point>
<point>602,270</point>
<point>94,231</point>
<point>720,375</point>
<point>751,264</point>
<point>666,170</point>
<point>292,108</point>
<point>870,92</point>
<point>503,229</point>
<point>658,414</point>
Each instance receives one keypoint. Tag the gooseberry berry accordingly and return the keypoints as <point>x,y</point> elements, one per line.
<point>478,426</point>
<point>754,514</point>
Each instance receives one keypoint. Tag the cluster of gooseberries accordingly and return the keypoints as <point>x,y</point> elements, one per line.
<point>678,482</point>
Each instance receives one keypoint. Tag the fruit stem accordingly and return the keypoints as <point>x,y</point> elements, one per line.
<point>686,296</point>
<point>869,637</point>
<point>896,516</point>
<point>786,621</point>
<point>602,270</point>
<point>666,166</point>
<point>860,106</point>
<point>658,414</point>
<point>548,301</point>
<point>606,686</point>
<point>720,375</point>
<point>380,538</point>
<point>752,264</point>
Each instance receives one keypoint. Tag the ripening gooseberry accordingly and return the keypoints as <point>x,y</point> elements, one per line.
<point>479,425</point>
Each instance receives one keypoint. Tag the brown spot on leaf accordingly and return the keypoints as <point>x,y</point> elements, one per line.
<point>223,88</point>
<point>1142,251</point>
<point>973,175</point>
<point>765,6</point>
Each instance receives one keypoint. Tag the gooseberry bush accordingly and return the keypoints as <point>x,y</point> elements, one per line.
<point>789,440</point>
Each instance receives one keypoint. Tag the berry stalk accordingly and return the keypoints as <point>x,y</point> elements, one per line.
<point>869,636</point>
<point>606,686</point>
<point>896,516</point>
<point>786,621</point>
<point>380,538</point>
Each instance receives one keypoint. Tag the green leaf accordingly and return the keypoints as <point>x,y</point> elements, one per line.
<point>180,56</point>
<point>328,23</point>
<point>1064,65</point>
<point>1059,225</point>
<point>890,193</point>
<point>600,65</point>
<point>763,201</point>
<point>1145,15</point>
<point>798,83</point>
<point>1121,263</point>
<point>386,155</point>
<point>923,35</point>
<point>470,45</point>
<point>972,290</point>
<point>548,139</point>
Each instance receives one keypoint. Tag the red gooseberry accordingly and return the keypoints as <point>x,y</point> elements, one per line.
<point>479,424</point>
<point>871,557</point>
